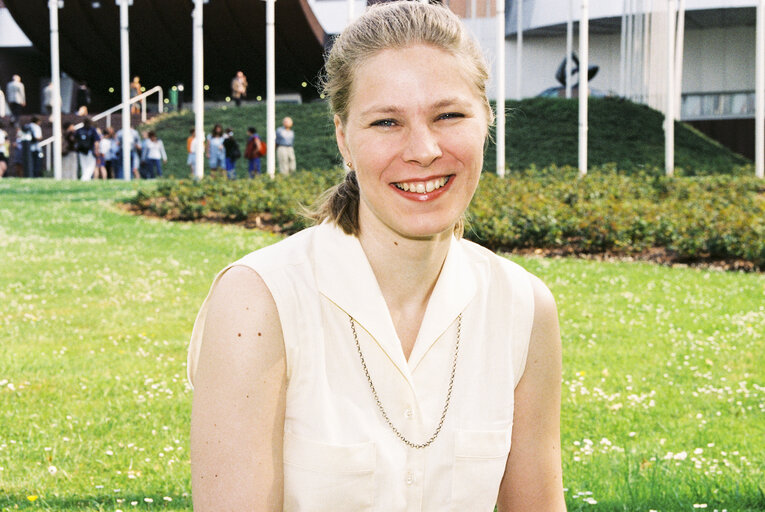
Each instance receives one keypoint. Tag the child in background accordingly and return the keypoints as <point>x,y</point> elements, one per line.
<point>254,150</point>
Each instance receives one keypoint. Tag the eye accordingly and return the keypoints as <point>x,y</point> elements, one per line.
<point>386,123</point>
<point>451,115</point>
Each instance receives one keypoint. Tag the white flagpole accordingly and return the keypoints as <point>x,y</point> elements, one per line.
<point>569,45</point>
<point>584,91</point>
<point>55,76</point>
<point>623,52</point>
<point>669,115</point>
<point>500,114</point>
<point>270,88</point>
<point>199,90</point>
<point>518,48</point>
<point>679,54</point>
<point>759,131</point>
<point>127,139</point>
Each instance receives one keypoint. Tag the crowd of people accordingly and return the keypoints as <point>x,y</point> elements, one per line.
<point>90,152</point>
<point>222,150</point>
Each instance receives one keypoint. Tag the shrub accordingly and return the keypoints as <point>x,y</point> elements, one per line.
<point>691,218</point>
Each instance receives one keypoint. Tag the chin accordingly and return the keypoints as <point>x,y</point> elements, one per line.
<point>426,231</point>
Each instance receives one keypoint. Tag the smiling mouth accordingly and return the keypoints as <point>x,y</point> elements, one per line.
<point>423,187</point>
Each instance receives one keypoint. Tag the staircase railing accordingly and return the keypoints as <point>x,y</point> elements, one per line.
<point>47,144</point>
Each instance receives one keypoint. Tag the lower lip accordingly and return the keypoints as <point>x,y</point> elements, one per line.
<point>428,196</point>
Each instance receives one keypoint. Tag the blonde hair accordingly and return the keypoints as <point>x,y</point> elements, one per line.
<point>391,25</point>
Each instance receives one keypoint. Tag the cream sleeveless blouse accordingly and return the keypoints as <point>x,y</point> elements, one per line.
<point>339,453</point>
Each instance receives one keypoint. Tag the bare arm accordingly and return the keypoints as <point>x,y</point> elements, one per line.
<point>533,479</point>
<point>237,419</point>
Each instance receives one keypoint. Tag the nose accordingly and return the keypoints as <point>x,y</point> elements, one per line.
<point>422,146</point>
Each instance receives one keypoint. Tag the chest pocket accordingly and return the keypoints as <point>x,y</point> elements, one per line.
<point>479,464</point>
<point>321,477</point>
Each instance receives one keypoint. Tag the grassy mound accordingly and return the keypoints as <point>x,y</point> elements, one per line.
<point>540,132</point>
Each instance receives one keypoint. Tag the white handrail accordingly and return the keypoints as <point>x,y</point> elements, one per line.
<point>46,143</point>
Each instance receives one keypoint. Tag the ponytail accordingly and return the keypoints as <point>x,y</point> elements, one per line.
<point>340,205</point>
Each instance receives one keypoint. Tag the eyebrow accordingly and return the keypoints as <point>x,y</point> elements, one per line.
<point>394,109</point>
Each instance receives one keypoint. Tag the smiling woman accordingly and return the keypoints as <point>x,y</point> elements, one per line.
<point>378,361</point>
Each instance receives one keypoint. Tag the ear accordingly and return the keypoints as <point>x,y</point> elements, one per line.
<point>341,139</point>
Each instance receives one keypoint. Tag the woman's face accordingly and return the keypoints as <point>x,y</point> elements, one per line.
<point>414,135</point>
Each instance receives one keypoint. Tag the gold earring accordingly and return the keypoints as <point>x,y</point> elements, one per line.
<point>349,164</point>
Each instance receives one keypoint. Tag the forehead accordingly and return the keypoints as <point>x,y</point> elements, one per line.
<point>414,76</point>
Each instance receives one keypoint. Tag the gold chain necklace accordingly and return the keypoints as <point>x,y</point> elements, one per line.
<point>377,398</point>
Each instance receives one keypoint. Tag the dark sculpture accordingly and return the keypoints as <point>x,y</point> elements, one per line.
<point>561,73</point>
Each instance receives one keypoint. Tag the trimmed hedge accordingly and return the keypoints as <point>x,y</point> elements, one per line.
<point>689,218</point>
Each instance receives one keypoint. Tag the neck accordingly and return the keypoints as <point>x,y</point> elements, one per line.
<point>406,270</point>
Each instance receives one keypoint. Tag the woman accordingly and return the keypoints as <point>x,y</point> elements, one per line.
<point>216,153</point>
<point>154,149</point>
<point>377,361</point>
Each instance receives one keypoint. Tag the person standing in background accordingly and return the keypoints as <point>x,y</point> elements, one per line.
<point>285,153</point>
<point>154,150</point>
<point>83,99</point>
<point>253,151</point>
<point>103,147</point>
<point>69,152</point>
<point>4,149</point>
<point>16,96</point>
<point>239,88</point>
<point>215,150</point>
<point>86,142</point>
<point>135,90</point>
<point>32,154</point>
<point>191,159</point>
<point>135,153</point>
<point>233,153</point>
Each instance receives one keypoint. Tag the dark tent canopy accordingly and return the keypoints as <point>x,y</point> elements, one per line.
<point>161,43</point>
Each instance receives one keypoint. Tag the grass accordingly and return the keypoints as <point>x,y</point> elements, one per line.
<point>622,133</point>
<point>663,387</point>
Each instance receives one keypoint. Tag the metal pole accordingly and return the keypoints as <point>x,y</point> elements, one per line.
<point>584,92</point>
<point>270,89</point>
<point>55,75</point>
<point>759,130</point>
<point>127,142</point>
<point>518,47</point>
<point>569,45</point>
<point>629,82</point>
<point>623,52</point>
<point>647,28</point>
<point>679,50</point>
<point>500,89</point>
<point>199,90</point>
<point>669,114</point>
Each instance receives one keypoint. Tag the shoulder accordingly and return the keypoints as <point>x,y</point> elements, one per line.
<point>290,252</point>
<point>494,267</point>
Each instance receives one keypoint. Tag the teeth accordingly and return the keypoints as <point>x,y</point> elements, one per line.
<point>422,187</point>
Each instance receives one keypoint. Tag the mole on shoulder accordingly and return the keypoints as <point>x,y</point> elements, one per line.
<point>239,335</point>
<point>260,334</point>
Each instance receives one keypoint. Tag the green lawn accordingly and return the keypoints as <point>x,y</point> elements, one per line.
<point>663,386</point>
